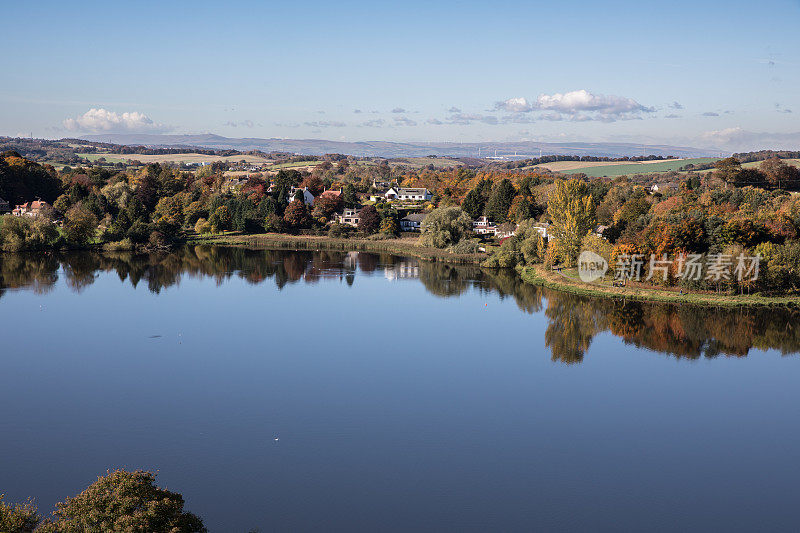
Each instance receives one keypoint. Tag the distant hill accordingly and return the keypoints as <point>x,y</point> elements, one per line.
<point>522,149</point>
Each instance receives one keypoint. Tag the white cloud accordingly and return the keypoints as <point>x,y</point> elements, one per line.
<point>398,110</point>
<point>514,105</point>
<point>579,106</point>
<point>738,139</point>
<point>710,114</point>
<point>375,123</point>
<point>675,105</point>
<point>105,121</point>
<point>454,109</point>
<point>468,118</point>
<point>403,121</point>
<point>325,124</point>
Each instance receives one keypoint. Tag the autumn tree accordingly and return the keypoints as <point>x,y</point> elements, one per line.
<point>779,174</point>
<point>571,210</point>
<point>296,215</point>
<point>314,184</point>
<point>18,518</point>
<point>123,501</point>
<point>368,219</point>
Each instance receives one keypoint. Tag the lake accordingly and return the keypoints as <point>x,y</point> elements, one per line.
<point>404,395</point>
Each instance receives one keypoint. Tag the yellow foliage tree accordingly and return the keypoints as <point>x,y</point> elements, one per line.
<point>572,213</point>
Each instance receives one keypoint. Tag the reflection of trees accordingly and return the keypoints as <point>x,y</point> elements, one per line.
<point>571,328</point>
<point>573,321</point>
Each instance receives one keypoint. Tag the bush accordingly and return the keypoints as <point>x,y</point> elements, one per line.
<point>18,518</point>
<point>466,246</point>
<point>339,231</point>
<point>445,227</point>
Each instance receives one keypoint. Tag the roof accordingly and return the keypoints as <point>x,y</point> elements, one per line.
<point>332,193</point>
<point>415,217</point>
<point>412,190</point>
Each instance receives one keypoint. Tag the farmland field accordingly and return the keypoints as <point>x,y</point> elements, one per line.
<point>597,169</point>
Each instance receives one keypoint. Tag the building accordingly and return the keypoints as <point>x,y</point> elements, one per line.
<point>349,216</point>
<point>483,226</point>
<point>412,221</point>
<point>381,185</point>
<point>30,209</point>
<point>5,207</point>
<point>406,193</point>
<point>308,198</point>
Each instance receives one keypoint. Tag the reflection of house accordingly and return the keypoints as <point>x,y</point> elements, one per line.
<point>348,216</point>
<point>408,193</point>
<point>412,221</point>
<point>308,198</point>
<point>5,207</point>
<point>30,209</point>
<point>402,270</point>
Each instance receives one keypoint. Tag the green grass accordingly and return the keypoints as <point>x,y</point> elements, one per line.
<point>612,171</point>
<point>108,158</point>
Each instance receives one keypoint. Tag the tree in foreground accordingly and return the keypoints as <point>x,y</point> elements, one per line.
<point>368,219</point>
<point>124,502</point>
<point>18,518</point>
<point>445,227</point>
<point>571,210</point>
<point>79,225</point>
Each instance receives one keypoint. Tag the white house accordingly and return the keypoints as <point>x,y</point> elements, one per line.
<point>308,198</point>
<point>349,216</point>
<point>483,226</point>
<point>408,193</point>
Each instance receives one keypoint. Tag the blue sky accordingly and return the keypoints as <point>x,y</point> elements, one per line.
<point>693,73</point>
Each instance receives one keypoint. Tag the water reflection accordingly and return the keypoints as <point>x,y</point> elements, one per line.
<point>572,321</point>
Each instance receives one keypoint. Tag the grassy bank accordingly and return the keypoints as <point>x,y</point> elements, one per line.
<point>408,246</point>
<point>539,275</point>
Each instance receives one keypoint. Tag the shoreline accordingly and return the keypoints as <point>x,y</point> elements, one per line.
<point>407,246</point>
<point>538,275</point>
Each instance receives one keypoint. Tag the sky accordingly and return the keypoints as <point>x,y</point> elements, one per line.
<point>705,74</point>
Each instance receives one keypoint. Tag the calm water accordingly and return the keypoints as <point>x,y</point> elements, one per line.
<point>405,396</point>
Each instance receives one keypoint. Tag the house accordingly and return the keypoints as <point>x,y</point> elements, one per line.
<point>308,198</point>
<point>378,196</point>
<point>408,193</point>
<point>381,185</point>
<point>30,209</point>
<point>348,216</point>
<point>483,226</point>
<point>5,207</point>
<point>412,221</point>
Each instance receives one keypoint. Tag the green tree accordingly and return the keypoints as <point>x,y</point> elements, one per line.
<point>349,197</point>
<point>79,224</point>
<point>445,226</point>
<point>126,502</point>
<point>500,201</point>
